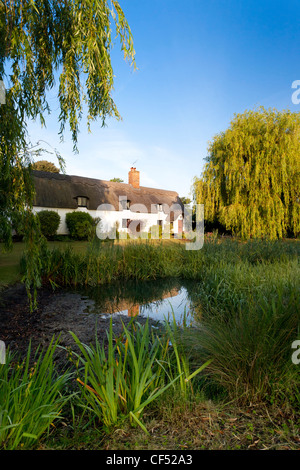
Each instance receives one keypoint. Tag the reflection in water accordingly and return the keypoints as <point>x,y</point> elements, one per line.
<point>155,299</point>
<point>133,311</point>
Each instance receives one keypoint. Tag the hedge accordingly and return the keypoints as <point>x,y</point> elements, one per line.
<point>49,222</point>
<point>80,224</point>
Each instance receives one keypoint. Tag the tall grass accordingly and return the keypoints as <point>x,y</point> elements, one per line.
<point>248,319</point>
<point>106,262</point>
<point>32,396</point>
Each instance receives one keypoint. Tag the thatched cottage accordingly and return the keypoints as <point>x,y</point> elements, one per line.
<point>129,207</point>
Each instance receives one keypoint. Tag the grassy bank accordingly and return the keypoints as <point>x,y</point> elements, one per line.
<point>10,260</point>
<point>107,387</point>
<point>103,263</point>
<point>140,392</point>
<point>247,396</point>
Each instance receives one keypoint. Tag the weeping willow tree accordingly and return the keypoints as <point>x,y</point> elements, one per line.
<point>251,180</point>
<point>43,42</point>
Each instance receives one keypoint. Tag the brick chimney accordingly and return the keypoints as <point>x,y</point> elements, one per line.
<point>134,178</point>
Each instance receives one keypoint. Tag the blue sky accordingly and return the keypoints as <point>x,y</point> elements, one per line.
<point>199,63</point>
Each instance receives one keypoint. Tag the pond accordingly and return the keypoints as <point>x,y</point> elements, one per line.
<point>87,312</point>
<point>154,299</point>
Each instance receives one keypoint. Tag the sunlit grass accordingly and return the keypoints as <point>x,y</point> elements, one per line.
<point>149,260</point>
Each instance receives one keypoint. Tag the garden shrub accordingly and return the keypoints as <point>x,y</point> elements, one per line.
<point>80,225</point>
<point>49,222</point>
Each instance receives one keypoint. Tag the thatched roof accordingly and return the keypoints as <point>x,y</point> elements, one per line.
<point>61,191</point>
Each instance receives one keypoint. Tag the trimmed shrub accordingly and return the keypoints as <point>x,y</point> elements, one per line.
<point>49,222</point>
<point>80,225</point>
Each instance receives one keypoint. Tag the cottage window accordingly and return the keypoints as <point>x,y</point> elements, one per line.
<point>82,201</point>
<point>125,223</point>
<point>159,207</point>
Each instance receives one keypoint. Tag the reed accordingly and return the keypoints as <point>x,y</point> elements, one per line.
<point>178,358</point>
<point>106,262</point>
<point>136,369</point>
<point>249,318</point>
<point>32,396</point>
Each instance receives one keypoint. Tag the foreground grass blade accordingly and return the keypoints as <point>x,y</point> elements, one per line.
<point>31,397</point>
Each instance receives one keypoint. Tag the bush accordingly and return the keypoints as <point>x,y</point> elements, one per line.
<point>49,222</point>
<point>80,225</point>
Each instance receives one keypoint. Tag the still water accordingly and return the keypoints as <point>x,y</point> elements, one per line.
<point>155,299</point>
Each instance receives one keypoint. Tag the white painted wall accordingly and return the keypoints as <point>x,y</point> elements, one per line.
<point>109,218</point>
